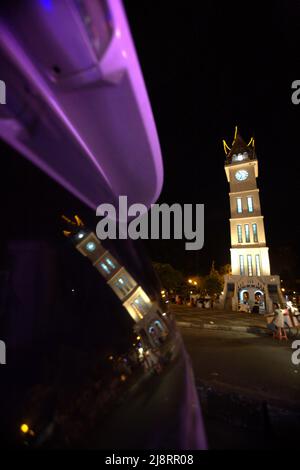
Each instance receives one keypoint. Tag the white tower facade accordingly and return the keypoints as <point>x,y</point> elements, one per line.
<point>251,282</point>
<point>150,322</point>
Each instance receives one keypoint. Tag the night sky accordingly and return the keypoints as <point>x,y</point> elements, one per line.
<point>206,70</point>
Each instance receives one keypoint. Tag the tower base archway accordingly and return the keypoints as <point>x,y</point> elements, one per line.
<point>255,293</point>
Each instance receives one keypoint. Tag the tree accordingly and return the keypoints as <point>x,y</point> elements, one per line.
<point>214,282</point>
<point>226,269</point>
<point>199,286</point>
<point>170,278</point>
<point>213,285</point>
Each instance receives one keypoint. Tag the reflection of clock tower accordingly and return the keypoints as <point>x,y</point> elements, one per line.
<point>250,282</point>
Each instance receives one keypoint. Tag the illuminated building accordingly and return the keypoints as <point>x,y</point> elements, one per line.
<point>146,314</point>
<point>251,280</point>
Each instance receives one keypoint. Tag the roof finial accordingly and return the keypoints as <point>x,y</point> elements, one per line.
<point>226,147</point>
<point>235,134</point>
<point>251,142</point>
<point>73,225</point>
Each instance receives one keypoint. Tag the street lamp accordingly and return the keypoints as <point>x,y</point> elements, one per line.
<point>24,428</point>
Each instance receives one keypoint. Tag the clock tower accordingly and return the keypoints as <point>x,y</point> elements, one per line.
<point>250,283</point>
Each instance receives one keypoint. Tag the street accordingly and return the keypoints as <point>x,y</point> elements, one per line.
<point>161,413</point>
<point>248,387</point>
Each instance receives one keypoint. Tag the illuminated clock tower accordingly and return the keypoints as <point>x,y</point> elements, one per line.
<point>250,283</point>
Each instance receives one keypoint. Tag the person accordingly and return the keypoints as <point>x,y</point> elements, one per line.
<point>277,319</point>
<point>291,314</point>
<point>244,307</point>
<point>255,308</point>
<point>152,360</point>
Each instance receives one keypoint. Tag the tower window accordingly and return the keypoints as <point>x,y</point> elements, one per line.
<point>105,268</point>
<point>249,262</point>
<point>140,306</point>
<point>239,233</point>
<point>239,157</point>
<point>239,205</point>
<point>257,265</point>
<point>124,285</point>
<point>254,229</point>
<point>110,263</point>
<point>250,203</point>
<point>107,265</point>
<point>242,267</point>
<point>247,233</point>
<point>80,235</point>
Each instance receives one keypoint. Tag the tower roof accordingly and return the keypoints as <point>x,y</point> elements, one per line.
<point>239,147</point>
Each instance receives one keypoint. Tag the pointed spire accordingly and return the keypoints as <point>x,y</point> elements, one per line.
<point>78,221</point>
<point>239,146</point>
<point>226,147</point>
<point>74,225</point>
<point>212,269</point>
<point>251,143</point>
<point>235,134</point>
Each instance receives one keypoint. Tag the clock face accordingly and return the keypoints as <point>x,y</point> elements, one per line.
<point>241,175</point>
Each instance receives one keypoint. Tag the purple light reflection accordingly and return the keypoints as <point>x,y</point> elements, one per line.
<point>100,105</point>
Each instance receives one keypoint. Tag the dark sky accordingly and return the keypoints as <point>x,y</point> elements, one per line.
<point>207,67</point>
